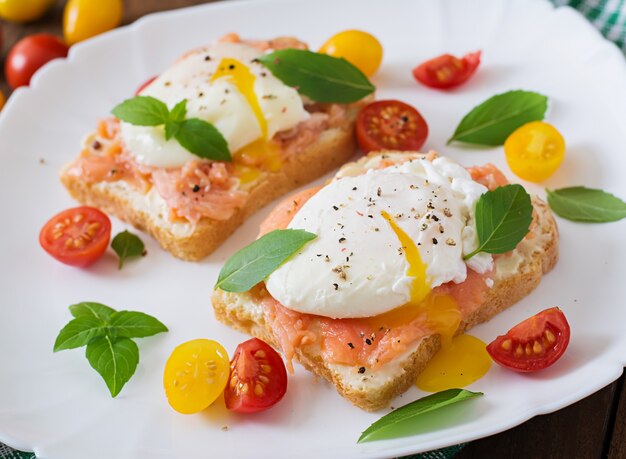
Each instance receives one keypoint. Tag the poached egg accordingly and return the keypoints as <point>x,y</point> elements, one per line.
<point>225,86</point>
<point>385,238</point>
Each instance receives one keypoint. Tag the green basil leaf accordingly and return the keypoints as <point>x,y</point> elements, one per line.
<point>588,205</point>
<point>131,324</point>
<point>503,217</point>
<point>203,140</point>
<point>142,111</point>
<point>79,332</point>
<point>116,361</point>
<point>318,76</point>
<point>171,129</point>
<point>94,310</point>
<point>106,333</point>
<point>389,426</point>
<point>491,122</point>
<point>253,263</point>
<point>179,111</point>
<point>127,245</point>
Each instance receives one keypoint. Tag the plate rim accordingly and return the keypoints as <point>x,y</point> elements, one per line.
<point>75,54</point>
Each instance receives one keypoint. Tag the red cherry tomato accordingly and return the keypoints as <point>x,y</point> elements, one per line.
<point>144,85</point>
<point>29,55</point>
<point>534,344</point>
<point>77,236</point>
<point>390,125</point>
<point>258,379</point>
<point>447,71</point>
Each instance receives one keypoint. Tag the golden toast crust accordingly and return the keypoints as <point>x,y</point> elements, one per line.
<point>334,147</point>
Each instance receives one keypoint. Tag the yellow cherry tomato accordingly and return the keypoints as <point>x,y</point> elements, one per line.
<point>359,48</point>
<point>195,375</point>
<point>24,10</point>
<point>535,151</point>
<point>84,19</point>
<point>2,100</point>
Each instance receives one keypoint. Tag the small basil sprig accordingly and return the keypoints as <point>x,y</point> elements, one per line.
<point>107,334</point>
<point>581,204</point>
<point>320,77</point>
<point>491,122</point>
<point>503,217</point>
<point>195,135</point>
<point>255,262</point>
<point>413,415</point>
<point>127,245</point>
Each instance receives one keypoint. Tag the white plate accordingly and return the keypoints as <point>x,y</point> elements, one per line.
<point>56,405</point>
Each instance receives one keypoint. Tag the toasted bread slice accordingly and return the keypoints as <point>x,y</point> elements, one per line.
<point>515,277</point>
<point>149,212</point>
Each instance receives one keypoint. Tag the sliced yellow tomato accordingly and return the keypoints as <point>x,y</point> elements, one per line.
<point>359,48</point>
<point>195,375</point>
<point>535,151</point>
<point>24,10</point>
<point>84,19</point>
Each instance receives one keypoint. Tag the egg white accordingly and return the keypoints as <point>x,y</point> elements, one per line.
<point>219,102</point>
<point>357,267</point>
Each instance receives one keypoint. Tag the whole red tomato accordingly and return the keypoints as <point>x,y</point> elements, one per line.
<point>29,55</point>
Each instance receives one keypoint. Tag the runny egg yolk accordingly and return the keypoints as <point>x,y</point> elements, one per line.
<point>458,364</point>
<point>417,268</point>
<point>462,359</point>
<point>261,153</point>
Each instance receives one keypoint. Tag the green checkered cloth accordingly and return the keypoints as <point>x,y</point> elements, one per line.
<point>609,17</point>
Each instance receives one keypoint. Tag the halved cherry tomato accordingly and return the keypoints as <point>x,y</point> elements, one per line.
<point>258,379</point>
<point>534,344</point>
<point>535,151</point>
<point>29,55</point>
<point>195,375</point>
<point>447,71</point>
<point>390,125</point>
<point>144,85</point>
<point>77,236</point>
<point>360,48</point>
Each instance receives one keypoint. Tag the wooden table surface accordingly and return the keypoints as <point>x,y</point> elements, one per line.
<point>593,427</point>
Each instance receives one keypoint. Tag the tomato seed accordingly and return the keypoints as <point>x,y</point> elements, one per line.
<point>529,349</point>
<point>258,390</point>
<point>506,345</point>
<point>550,336</point>
<point>537,349</point>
